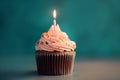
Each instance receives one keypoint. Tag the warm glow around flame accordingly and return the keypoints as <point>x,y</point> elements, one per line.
<point>54,14</point>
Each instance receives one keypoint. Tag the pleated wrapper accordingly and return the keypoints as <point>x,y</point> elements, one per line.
<point>55,64</point>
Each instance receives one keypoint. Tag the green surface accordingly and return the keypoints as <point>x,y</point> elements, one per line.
<point>93,24</point>
<point>24,68</point>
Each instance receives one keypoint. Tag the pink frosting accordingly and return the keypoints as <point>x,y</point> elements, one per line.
<point>55,40</point>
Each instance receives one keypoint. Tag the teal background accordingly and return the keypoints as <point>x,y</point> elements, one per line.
<point>93,24</point>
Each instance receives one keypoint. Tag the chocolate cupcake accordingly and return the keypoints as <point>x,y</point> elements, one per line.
<point>55,53</point>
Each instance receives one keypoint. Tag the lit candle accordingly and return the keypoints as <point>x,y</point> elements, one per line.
<point>54,16</point>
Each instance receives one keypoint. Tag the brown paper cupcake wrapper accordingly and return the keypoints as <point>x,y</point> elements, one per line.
<point>55,64</point>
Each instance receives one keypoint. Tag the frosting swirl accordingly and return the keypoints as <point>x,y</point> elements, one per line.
<point>55,40</point>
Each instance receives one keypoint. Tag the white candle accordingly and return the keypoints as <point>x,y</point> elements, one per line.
<point>54,21</point>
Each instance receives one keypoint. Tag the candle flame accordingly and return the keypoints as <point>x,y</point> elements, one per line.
<point>54,14</point>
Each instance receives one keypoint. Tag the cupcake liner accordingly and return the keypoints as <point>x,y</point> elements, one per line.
<point>54,64</point>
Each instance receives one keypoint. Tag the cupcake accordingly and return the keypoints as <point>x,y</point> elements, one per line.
<point>55,53</point>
